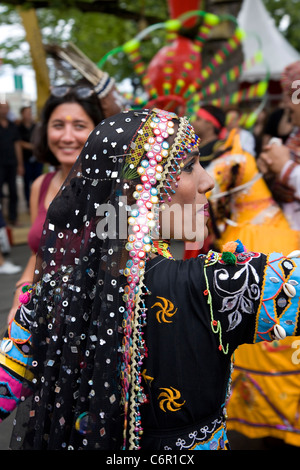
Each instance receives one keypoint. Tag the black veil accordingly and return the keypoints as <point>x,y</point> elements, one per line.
<point>79,312</point>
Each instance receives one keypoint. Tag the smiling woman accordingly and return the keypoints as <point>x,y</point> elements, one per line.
<point>68,128</point>
<point>68,117</point>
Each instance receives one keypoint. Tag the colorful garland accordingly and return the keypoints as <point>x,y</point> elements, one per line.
<point>184,91</point>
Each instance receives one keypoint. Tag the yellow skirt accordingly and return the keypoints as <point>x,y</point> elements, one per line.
<point>265,399</point>
<point>267,238</point>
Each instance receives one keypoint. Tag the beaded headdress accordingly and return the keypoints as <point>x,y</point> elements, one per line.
<point>158,163</point>
<point>88,298</point>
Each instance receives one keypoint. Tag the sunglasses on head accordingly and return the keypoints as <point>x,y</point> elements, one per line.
<point>80,91</point>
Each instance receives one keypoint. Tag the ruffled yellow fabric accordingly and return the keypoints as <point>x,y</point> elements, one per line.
<point>265,398</point>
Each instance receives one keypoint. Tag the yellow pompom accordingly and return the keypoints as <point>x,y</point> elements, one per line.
<point>240,33</point>
<point>258,56</point>
<point>131,46</point>
<point>205,74</point>
<point>231,74</point>
<point>232,43</point>
<point>140,69</point>
<point>172,25</point>
<point>146,81</point>
<point>180,82</point>
<point>211,19</point>
<point>262,88</point>
<point>250,121</point>
<point>188,65</point>
<point>212,88</point>
<point>218,58</point>
<point>205,30</point>
<point>192,88</point>
<point>167,86</point>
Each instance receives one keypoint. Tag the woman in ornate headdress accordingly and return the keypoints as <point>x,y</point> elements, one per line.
<point>117,345</point>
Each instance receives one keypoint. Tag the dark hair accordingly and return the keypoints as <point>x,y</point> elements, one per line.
<point>217,113</point>
<point>91,106</point>
<point>25,107</point>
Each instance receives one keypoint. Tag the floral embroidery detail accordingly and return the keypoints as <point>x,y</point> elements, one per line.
<point>278,312</point>
<point>239,300</point>
<point>206,438</point>
<point>245,257</point>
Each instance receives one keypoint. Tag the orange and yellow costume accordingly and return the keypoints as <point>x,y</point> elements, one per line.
<point>265,399</point>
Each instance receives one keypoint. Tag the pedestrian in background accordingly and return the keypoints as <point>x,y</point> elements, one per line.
<point>32,168</point>
<point>11,161</point>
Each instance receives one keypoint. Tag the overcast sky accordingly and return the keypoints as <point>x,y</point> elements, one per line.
<point>7,84</point>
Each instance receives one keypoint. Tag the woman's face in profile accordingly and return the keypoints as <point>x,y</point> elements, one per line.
<point>186,216</point>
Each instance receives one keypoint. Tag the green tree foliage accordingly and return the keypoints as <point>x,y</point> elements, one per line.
<point>286,15</point>
<point>95,33</point>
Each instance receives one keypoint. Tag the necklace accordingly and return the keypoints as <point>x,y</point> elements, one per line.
<point>162,247</point>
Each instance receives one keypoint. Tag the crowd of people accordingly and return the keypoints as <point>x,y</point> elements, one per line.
<point>114,343</point>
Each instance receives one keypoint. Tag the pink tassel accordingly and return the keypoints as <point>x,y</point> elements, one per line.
<point>24,298</point>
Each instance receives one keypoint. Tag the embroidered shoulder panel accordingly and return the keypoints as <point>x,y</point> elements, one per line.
<point>233,291</point>
<point>279,303</point>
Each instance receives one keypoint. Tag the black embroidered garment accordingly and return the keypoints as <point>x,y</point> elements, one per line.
<point>187,371</point>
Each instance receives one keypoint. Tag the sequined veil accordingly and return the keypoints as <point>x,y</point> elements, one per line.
<point>86,311</point>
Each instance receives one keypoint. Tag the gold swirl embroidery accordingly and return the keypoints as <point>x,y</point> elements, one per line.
<point>168,399</point>
<point>166,310</point>
<point>147,378</point>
